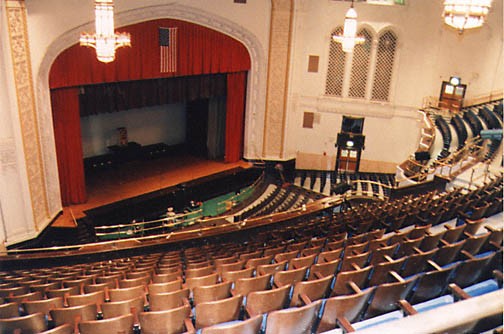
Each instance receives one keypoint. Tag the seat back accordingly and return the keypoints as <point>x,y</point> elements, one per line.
<point>359,277</point>
<point>168,300</point>
<point>219,311</point>
<point>210,293</point>
<point>28,324</point>
<point>37,295</point>
<point>97,298</point>
<point>132,282</point>
<point>115,309</point>
<point>62,329</point>
<point>380,271</point>
<point>271,268</point>
<point>164,287</point>
<point>198,272</point>
<point>289,277</point>
<point>360,260</point>
<point>324,269</point>
<point>431,284</point>
<point>119,325</point>
<point>232,276</point>
<point>416,263</point>
<point>348,306</point>
<point>386,296</point>
<point>329,256</point>
<point>190,283</point>
<point>167,321</point>
<point>117,295</point>
<point>260,302</point>
<point>249,326</point>
<point>469,271</point>
<point>243,286</point>
<point>296,320</point>
<point>9,310</point>
<point>448,253</point>
<point>314,290</point>
<point>43,305</point>
<point>69,315</point>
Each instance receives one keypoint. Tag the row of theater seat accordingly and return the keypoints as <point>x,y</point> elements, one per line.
<point>202,273</point>
<point>314,263</point>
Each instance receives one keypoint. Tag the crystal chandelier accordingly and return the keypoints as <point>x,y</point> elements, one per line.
<point>465,14</point>
<point>104,40</point>
<point>349,38</point>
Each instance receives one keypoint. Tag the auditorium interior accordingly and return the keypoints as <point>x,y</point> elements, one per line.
<point>251,166</point>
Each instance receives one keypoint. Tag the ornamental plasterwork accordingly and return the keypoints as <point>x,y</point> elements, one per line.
<point>16,20</point>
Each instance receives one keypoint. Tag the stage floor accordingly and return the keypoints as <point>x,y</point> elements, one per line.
<point>140,177</point>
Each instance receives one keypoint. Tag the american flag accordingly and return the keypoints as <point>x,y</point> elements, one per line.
<point>168,49</point>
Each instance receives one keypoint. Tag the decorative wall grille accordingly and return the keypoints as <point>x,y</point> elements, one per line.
<point>336,67</point>
<point>384,65</point>
<point>360,66</point>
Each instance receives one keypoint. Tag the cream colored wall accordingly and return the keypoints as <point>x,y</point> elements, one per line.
<point>428,52</point>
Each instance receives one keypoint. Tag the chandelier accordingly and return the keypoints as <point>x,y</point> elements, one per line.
<point>465,14</point>
<point>349,39</point>
<point>104,40</point>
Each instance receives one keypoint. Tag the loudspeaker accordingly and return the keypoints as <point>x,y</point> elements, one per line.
<point>422,155</point>
<point>340,188</point>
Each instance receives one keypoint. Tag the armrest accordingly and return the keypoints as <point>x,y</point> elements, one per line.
<point>444,242</point>
<point>354,287</point>
<point>467,254</point>
<point>463,215</point>
<point>189,326</point>
<point>355,266</point>
<point>396,276</point>
<point>457,292</point>
<point>406,307</point>
<point>498,277</point>
<point>76,323</point>
<point>344,324</point>
<point>186,302</point>
<point>248,311</point>
<point>490,228</point>
<point>318,275</point>
<point>418,250</point>
<point>434,265</point>
<point>306,300</point>
<point>388,258</point>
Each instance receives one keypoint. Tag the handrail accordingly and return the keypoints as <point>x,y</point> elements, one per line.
<point>245,191</point>
<point>104,227</point>
<point>469,149</point>
<point>316,206</point>
<point>443,318</point>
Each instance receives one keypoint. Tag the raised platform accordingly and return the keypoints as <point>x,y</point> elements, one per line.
<point>138,178</point>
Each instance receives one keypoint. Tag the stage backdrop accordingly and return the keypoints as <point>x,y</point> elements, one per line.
<point>198,51</point>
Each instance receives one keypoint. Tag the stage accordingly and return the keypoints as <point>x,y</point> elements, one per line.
<point>140,177</point>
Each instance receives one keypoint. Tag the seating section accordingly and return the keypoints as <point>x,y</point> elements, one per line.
<point>457,122</point>
<point>315,274</point>
<point>442,126</point>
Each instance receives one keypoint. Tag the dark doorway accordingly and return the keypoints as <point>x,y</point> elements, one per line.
<point>197,127</point>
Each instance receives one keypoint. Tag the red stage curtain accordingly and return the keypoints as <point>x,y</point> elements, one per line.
<point>236,83</point>
<point>67,133</point>
<point>200,50</point>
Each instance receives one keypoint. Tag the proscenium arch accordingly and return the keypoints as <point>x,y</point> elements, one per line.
<point>256,84</point>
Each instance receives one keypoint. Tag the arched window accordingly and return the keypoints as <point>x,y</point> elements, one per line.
<point>360,66</point>
<point>369,76</point>
<point>336,67</point>
<point>384,65</point>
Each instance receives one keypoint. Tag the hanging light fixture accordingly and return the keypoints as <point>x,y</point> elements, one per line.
<point>349,38</point>
<point>105,40</point>
<point>465,14</point>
